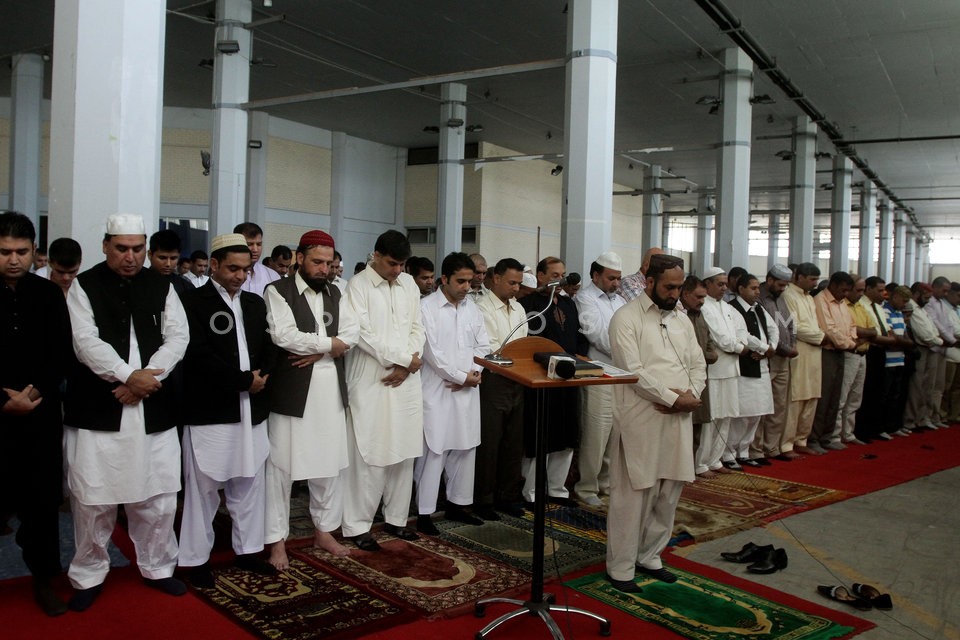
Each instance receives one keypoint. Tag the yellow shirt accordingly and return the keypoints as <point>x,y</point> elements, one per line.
<point>861,318</point>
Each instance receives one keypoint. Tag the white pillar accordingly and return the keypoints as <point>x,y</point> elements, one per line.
<point>885,253</point>
<point>703,252</point>
<point>590,109</point>
<point>453,110</point>
<point>803,190</point>
<point>733,173</point>
<point>868,229</point>
<point>841,206</point>
<point>231,88</point>
<point>918,252</point>
<point>899,247</point>
<point>922,267</point>
<point>256,197</point>
<point>773,239</point>
<point>651,224</point>
<point>26,94</point>
<point>106,119</point>
<point>909,247</point>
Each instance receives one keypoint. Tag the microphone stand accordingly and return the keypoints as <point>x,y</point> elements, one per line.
<point>496,357</point>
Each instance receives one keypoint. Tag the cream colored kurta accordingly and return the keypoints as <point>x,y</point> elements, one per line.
<point>662,350</point>
<point>314,446</point>
<point>126,466</point>
<point>388,421</point>
<point>805,369</point>
<point>454,335</point>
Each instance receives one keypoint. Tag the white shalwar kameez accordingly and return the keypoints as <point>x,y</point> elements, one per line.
<point>755,394</point>
<point>387,422</point>
<point>130,467</point>
<point>314,447</point>
<point>451,418</point>
<point>227,456</point>
<point>722,380</point>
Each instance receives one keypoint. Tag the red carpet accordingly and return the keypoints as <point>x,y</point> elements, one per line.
<point>866,468</point>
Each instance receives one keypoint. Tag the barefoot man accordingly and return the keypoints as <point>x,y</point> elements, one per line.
<point>308,396</point>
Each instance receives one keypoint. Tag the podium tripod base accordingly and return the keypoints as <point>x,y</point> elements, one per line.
<point>541,609</point>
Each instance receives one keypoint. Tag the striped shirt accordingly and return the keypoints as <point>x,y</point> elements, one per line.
<point>895,357</point>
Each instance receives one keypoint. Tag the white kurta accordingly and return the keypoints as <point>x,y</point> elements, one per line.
<point>756,394</point>
<point>595,309</point>
<point>454,335</point>
<point>388,421</point>
<point>232,450</point>
<point>723,375</point>
<point>314,446</point>
<point>126,466</point>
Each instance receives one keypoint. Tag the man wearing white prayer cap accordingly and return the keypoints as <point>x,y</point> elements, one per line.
<point>120,444</point>
<point>596,303</point>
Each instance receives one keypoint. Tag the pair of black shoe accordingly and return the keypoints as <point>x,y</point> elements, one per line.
<point>762,559</point>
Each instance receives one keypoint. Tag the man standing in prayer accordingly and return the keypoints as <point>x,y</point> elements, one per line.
<point>386,397</point>
<point>129,332</point>
<point>308,396</point>
<point>805,368</point>
<point>260,275</point>
<point>652,428</point>
<point>225,441</point>
<point>455,334</point>
<point>35,343</point>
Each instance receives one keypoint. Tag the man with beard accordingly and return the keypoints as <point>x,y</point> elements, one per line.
<point>308,397</point>
<point>805,368</point>
<point>692,298</point>
<point>652,428</point>
<point>260,276</point>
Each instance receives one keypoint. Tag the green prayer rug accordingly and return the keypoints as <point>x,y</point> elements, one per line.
<point>701,609</point>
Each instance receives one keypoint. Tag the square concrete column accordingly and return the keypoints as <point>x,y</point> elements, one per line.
<point>258,147</point>
<point>868,230</point>
<point>773,238</point>
<point>703,251</point>
<point>885,253</point>
<point>651,224</point>
<point>909,263</point>
<point>231,88</point>
<point>733,173</point>
<point>840,209</point>
<point>590,109</point>
<point>899,247</point>
<point>803,189</point>
<point>106,117</point>
<point>26,95</point>
<point>453,114</point>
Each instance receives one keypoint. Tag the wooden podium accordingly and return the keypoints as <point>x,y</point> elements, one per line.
<point>531,374</point>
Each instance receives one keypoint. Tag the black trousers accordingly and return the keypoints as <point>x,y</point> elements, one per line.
<point>825,420</point>
<point>497,478</point>
<point>870,414</point>
<point>31,480</point>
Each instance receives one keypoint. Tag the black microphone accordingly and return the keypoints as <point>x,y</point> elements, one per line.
<point>572,279</point>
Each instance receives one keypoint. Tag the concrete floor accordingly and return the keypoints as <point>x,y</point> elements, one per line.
<point>902,540</point>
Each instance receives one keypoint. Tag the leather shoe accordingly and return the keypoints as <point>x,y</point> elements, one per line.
<point>748,553</point>
<point>626,586</point>
<point>400,532</point>
<point>872,595</point>
<point>840,594</point>
<point>365,542</point>
<point>425,525</point>
<point>661,574</point>
<point>775,560</point>
<point>47,599</point>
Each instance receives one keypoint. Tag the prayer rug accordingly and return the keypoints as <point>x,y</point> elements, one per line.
<point>510,540</point>
<point>434,576</point>
<point>701,609</point>
<point>302,603</point>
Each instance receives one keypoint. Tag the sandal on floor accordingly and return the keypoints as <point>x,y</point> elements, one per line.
<point>840,594</point>
<point>872,595</point>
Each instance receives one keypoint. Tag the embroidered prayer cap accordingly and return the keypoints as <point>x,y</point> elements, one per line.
<point>529,280</point>
<point>228,240</point>
<point>712,272</point>
<point>610,260</point>
<point>317,238</point>
<point>125,224</point>
<point>780,272</point>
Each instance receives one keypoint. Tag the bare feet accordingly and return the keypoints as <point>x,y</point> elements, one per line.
<point>329,544</point>
<point>278,556</point>
<point>707,474</point>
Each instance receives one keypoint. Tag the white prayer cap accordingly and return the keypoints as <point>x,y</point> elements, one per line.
<point>780,272</point>
<point>125,224</point>
<point>610,260</point>
<point>228,240</point>
<point>529,280</point>
<point>911,306</point>
<point>712,271</point>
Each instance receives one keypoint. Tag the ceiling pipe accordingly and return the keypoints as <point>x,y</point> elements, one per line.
<point>730,24</point>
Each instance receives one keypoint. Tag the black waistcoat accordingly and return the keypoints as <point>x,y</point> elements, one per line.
<point>750,368</point>
<point>116,302</point>
<point>288,385</point>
